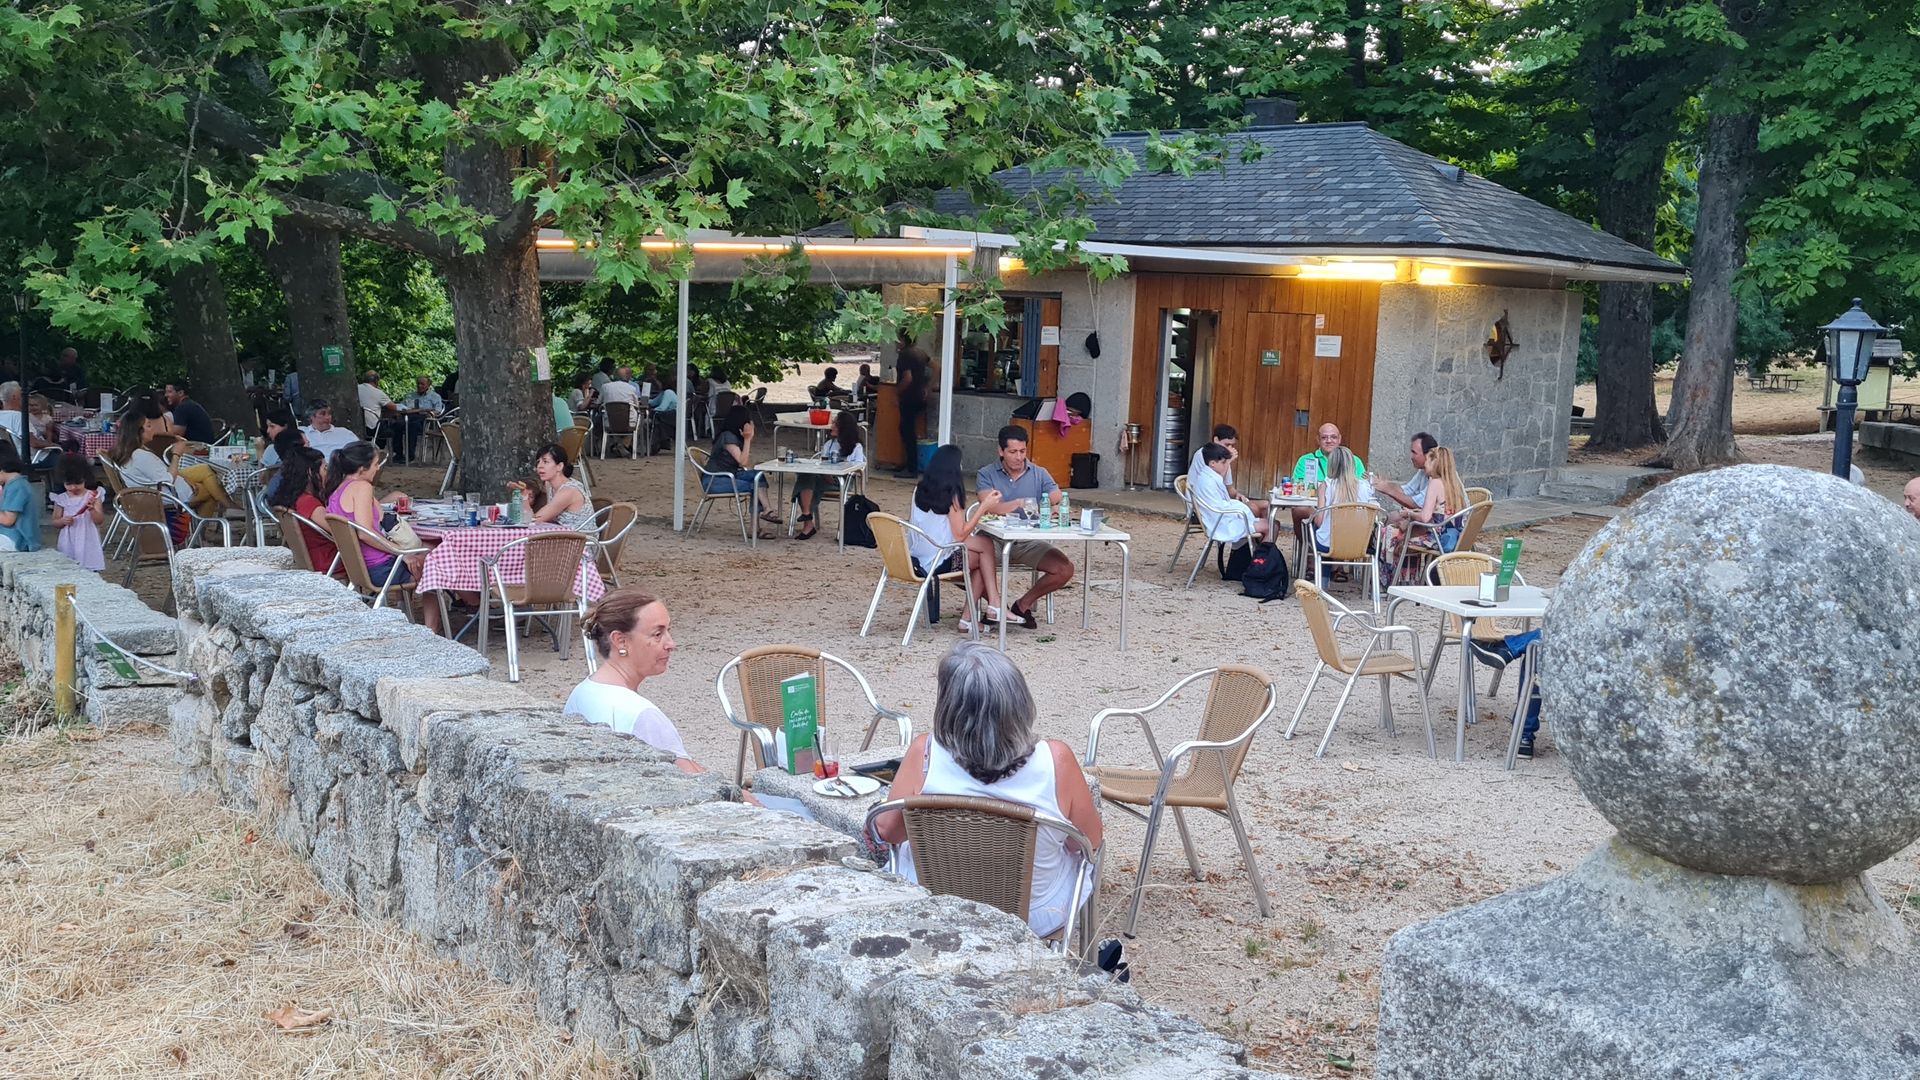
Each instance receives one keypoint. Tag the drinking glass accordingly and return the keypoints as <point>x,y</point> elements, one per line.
<point>828,745</point>
<point>1030,509</point>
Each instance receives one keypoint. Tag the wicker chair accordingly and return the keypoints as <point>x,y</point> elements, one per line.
<point>760,715</point>
<point>293,530</point>
<point>745,506</point>
<point>1375,661</point>
<point>142,513</point>
<point>1423,550</point>
<point>573,441</point>
<point>890,535</point>
<point>615,521</point>
<point>1479,495</point>
<point>1465,568</point>
<point>348,537</point>
<point>1195,505</point>
<point>1198,773</point>
<point>1192,524</point>
<point>450,432</point>
<point>116,483</point>
<point>1349,542</point>
<point>982,850</point>
<point>550,588</point>
<point>616,425</point>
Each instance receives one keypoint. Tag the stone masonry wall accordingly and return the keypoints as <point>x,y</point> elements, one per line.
<point>650,911</point>
<point>1431,374</point>
<point>27,582</point>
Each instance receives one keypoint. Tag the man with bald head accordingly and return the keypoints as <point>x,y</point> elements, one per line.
<point>1313,465</point>
<point>1910,497</point>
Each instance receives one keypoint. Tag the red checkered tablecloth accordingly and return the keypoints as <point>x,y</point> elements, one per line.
<point>91,443</point>
<point>63,411</point>
<point>455,563</point>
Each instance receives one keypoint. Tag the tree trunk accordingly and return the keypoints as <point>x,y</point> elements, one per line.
<point>306,262</point>
<point>206,343</point>
<point>1358,20</point>
<point>496,327</point>
<point>1703,387</point>
<point>1626,416</point>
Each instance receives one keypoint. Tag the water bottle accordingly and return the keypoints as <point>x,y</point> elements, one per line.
<point>1066,512</point>
<point>517,508</point>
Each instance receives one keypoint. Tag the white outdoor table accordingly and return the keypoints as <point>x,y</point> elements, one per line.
<point>1006,532</point>
<point>1522,602</point>
<point>818,431</point>
<point>843,472</point>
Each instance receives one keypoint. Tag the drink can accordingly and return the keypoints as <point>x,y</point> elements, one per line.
<point>473,516</point>
<point>1286,487</point>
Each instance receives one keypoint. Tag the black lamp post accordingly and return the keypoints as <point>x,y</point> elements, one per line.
<point>21,302</point>
<point>1849,350</point>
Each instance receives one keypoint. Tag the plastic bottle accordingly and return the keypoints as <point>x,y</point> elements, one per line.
<point>1066,511</point>
<point>517,508</point>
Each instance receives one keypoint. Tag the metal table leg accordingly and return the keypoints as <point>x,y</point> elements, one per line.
<point>1006,605</point>
<point>842,478</point>
<point>1126,576</point>
<point>1086,578</point>
<point>1466,691</point>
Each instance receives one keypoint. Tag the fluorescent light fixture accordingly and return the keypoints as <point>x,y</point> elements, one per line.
<point>1350,271</point>
<point>770,247</point>
<point>1010,265</point>
<point>1435,275</point>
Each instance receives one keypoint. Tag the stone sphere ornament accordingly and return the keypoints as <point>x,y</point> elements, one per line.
<point>1732,668</point>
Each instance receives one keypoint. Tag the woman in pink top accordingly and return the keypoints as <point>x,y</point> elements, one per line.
<point>350,475</point>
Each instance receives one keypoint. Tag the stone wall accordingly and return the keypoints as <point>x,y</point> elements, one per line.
<point>27,582</point>
<point>1431,374</point>
<point>650,911</point>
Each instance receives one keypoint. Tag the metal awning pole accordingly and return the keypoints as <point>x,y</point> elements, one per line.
<point>680,419</point>
<point>946,353</point>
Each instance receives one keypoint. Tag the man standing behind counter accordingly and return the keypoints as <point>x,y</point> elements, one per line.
<point>1017,479</point>
<point>911,363</point>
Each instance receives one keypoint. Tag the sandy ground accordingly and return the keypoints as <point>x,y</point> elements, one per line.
<point>1766,412</point>
<point>144,932</point>
<point>1374,837</point>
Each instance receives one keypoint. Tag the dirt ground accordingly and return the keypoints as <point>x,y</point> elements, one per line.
<point>144,932</point>
<point>1766,412</point>
<point>1374,837</point>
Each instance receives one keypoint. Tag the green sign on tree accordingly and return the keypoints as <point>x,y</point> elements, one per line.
<point>333,359</point>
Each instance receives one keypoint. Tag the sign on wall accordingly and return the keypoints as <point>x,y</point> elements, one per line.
<point>333,359</point>
<point>1326,344</point>
<point>1049,335</point>
<point>1270,358</point>
<point>542,364</point>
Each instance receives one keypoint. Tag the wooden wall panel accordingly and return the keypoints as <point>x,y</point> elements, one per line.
<point>1256,314</point>
<point>1048,378</point>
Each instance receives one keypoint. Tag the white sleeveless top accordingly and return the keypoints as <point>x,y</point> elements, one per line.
<point>1054,867</point>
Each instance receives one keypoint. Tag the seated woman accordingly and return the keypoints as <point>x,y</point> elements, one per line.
<point>277,422</point>
<point>983,745</point>
<point>938,511</point>
<point>583,398</point>
<point>142,468</point>
<point>633,634</point>
<point>560,499</point>
<point>302,478</point>
<point>1344,485</point>
<point>1225,517</point>
<point>733,453</point>
<point>807,486</point>
<point>350,475</point>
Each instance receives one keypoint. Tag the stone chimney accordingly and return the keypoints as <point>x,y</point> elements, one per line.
<point>1272,111</point>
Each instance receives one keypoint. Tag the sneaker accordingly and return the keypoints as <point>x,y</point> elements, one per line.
<point>1526,749</point>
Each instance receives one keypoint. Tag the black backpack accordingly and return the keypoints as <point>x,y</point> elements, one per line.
<point>1237,562</point>
<point>1266,576</point>
<point>859,533</point>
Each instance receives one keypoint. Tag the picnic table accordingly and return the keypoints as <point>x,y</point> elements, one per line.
<point>1006,532</point>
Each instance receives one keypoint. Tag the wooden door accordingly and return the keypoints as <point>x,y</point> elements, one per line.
<point>1263,400</point>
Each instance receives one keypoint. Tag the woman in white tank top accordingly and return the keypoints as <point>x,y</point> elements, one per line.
<point>983,746</point>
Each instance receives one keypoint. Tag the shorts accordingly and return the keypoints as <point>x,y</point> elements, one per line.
<point>1030,552</point>
<point>740,482</point>
<point>396,573</point>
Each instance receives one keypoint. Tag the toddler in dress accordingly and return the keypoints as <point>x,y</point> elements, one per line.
<point>78,512</point>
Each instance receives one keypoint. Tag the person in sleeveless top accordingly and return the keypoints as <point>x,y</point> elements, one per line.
<point>983,745</point>
<point>561,499</point>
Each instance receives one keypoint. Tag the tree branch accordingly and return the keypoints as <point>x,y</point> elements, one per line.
<point>352,222</point>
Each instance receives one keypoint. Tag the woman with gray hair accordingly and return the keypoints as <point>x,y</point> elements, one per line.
<point>983,745</point>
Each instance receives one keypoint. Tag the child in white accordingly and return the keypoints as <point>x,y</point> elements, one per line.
<point>78,512</point>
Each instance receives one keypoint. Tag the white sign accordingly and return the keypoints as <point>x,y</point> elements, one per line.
<point>1049,335</point>
<point>1886,347</point>
<point>542,365</point>
<point>1326,344</point>
<point>1320,321</point>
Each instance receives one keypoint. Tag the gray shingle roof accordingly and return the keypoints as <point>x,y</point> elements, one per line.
<point>1322,185</point>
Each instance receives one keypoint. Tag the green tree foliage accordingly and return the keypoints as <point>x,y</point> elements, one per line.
<point>738,335</point>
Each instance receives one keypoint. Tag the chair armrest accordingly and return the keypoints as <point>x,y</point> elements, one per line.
<point>1140,714</point>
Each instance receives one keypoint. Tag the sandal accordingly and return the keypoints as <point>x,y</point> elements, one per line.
<point>808,529</point>
<point>772,518</point>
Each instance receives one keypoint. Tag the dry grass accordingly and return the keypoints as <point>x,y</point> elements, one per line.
<point>144,931</point>
<point>26,702</point>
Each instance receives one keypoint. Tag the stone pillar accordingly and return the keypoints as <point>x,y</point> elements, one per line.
<point>1733,670</point>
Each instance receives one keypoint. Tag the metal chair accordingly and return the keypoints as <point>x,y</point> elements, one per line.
<point>450,433</point>
<point>1198,773</point>
<point>116,483</point>
<point>613,522</point>
<point>1529,661</point>
<point>1465,568</point>
<point>1372,661</point>
<point>549,589</point>
<point>572,442</point>
<point>617,425</point>
<point>142,512</point>
<point>1192,524</point>
<point>255,504</point>
<point>745,505</point>
<point>982,850</point>
<point>1423,551</point>
<point>348,538</point>
<point>293,529</point>
<point>1200,507</point>
<point>760,671</point>
<point>1479,495</point>
<point>1350,538</point>
<point>890,535</point>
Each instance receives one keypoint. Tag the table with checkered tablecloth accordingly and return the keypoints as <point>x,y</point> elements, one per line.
<point>65,411</point>
<point>90,443</point>
<point>455,563</point>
